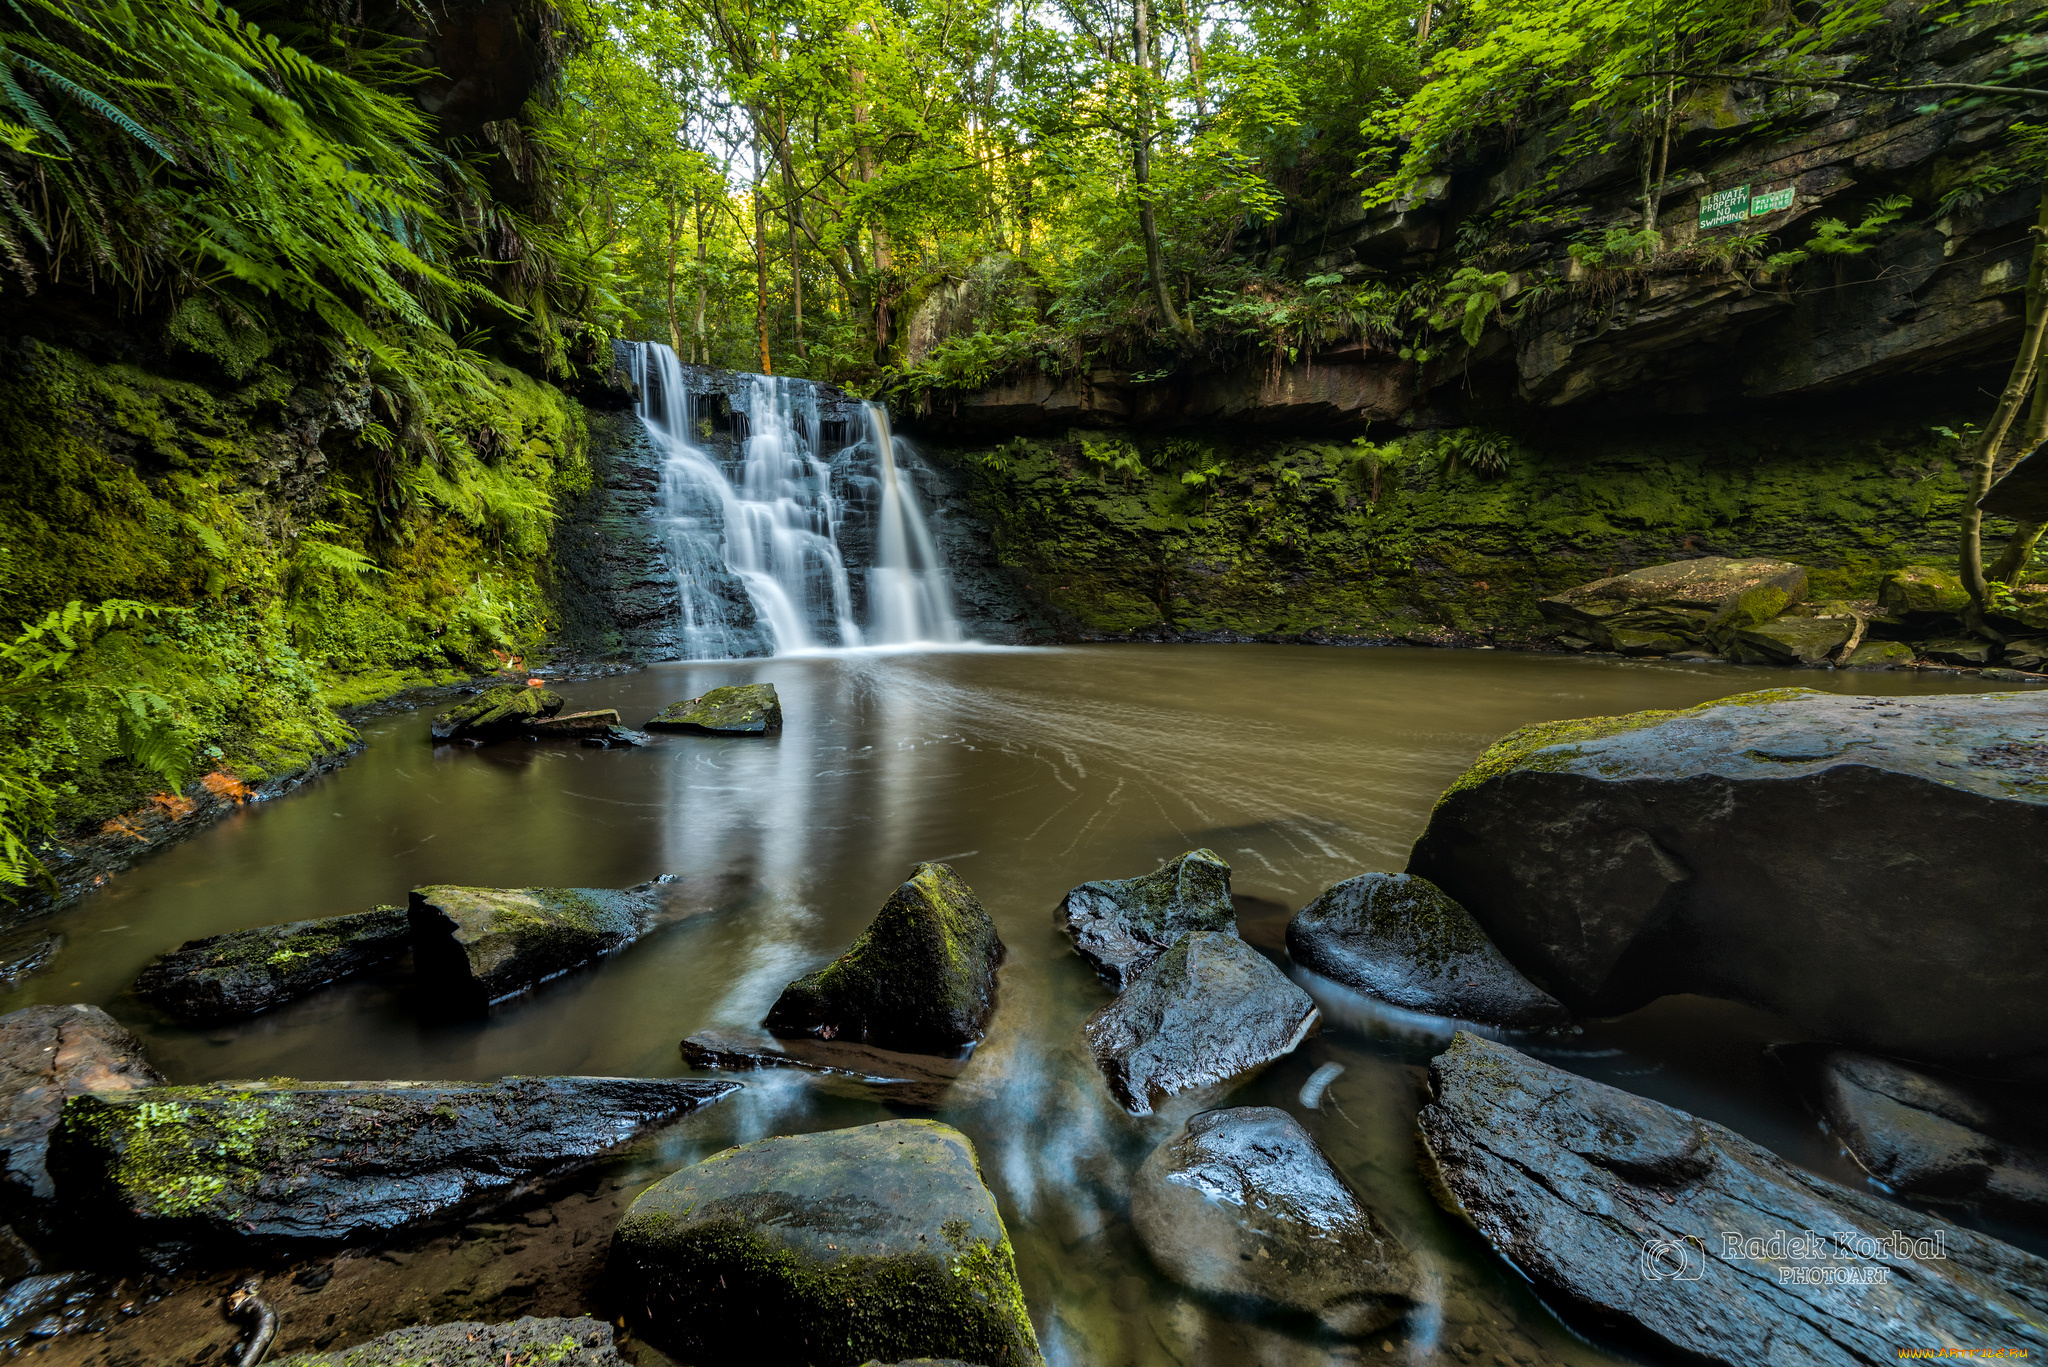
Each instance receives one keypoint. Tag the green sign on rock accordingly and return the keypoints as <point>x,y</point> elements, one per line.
<point>1770,203</point>
<point>1723,207</point>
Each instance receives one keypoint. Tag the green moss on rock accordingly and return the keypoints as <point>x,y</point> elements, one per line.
<point>920,978</point>
<point>735,710</point>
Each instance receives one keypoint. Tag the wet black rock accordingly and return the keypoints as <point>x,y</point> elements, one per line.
<point>1929,1137</point>
<point>1684,1236</point>
<point>876,1242</point>
<point>25,955</point>
<point>476,946</point>
<point>1120,925</point>
<point>1242,1204</point>
<point>1210,1010</point>
<point>287,1162</point>
<point>499,713</point>
<point>227,977</point>
<point>899,1079</point>
<point>48,1053</point>
<point>567,1342</point>
<point>737,710</point>
<point>598,725</point>
<point>921,978</point>
<point>1619,859</point>
<point>1400,939</point>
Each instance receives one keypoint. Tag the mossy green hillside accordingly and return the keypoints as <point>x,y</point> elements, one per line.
<point>315,556</point>
<point>1148,535</point>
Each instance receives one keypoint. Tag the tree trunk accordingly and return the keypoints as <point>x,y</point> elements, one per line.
<point>761,259</point>
<point>2017,386</point>
<point>2019,550</point>
<point>1141,168</point>
<point>698,341</point>
<point>675,231</point>
<point>1422,24</point>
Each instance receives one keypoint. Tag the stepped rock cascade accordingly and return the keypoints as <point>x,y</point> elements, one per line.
<point>757,543</point>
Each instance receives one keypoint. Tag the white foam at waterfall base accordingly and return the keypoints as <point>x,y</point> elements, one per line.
<point>756,546</point>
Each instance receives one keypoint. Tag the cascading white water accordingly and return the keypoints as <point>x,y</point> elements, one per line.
<point>910,598</point>
<point>756,544</point>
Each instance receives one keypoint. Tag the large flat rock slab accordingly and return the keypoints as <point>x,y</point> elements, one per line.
<point>1823,856</point>
<point>244,972</point>
<point>873,1243</point>
<point>48,1054</point>
<point>1631,1216</point>
<point>282,1161</point>
<point>1119,925</point>
<point>477,946</point>
<point>1209,1011</point>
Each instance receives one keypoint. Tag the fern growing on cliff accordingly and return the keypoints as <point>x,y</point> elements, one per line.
<point>37,685</point>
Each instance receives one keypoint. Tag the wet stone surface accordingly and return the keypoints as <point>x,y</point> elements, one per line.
<point>1120,925</point>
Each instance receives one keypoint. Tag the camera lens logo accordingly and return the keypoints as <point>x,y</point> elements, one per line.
<point>1672,1260</point>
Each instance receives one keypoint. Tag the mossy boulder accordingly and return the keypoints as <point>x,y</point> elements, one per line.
<point>1791,640</point>
<point>281,1161</point>
<point>227,977</point>
<point>499,713</point>
<point>1619,859</point>
<point>1209,1011</point>
<point>873,1243</point>
<point>1702,1246</point>
<point>1119,925</point>
<point>476,946</point>
<point>921,978</point>
<point>1402,940</point>
<point>49,1053</point>
<point>1243,1205</point>
<point>525,1342</point>
<point>1923,590</point>
<point>594,725</point>
<point>1676,606</point>
<point>1880,655</point>
<point>737,710</point>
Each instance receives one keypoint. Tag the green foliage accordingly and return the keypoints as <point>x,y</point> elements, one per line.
<point>1834,238</point>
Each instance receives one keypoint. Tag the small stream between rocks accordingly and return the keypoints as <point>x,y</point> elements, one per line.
<point>1028,771</point>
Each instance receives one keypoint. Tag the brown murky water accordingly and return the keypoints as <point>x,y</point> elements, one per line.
<point>1029,772</point>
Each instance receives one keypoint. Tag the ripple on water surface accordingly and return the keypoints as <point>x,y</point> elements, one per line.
<point>1029,772</point>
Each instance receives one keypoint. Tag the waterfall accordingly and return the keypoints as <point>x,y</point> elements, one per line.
<point>909,596</point>
<point>754,529</point>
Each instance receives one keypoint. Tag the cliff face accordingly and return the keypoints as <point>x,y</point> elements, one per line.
<point>1446,539</point>
<point>1695,327</point>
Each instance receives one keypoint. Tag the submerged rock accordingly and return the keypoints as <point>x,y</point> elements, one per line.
<point>1209,1010</point>
<point>497,713</point>
<point>283,1161</point>
<point>1399,938</point>
<point>738,710</point>
<point>1689,1236</point>
<point>476,946</point>
<point>921,978</point>
<point>1925,1136</point>
<point>901,1079</point>
<point>1120,925</point>
<point>1618,859</point>
<point>227,977</point>
<point>1684,604</point>
<point>877,1242</point>
<point>526,1342</point>
<point>49,1053</point>
<point>25,955</point>
<point>1242,1203</point>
